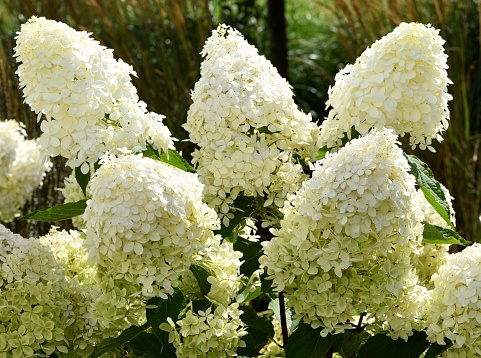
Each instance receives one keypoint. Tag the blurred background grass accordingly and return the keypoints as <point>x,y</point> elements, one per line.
<point>162,40</point>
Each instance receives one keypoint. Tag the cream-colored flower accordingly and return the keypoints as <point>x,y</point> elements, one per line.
<point>246,124</point>
<point>22,169</point>
<point>345,241</point>
<point>144,222</point>
<point>87,96</point>
<point>453,308</point>
<point>216,332</point>
<point>400,82</point>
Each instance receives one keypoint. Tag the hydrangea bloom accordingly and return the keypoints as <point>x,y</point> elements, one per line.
<point>400,82</point>
<point>11,134</point>
<point>87,96</point>
<point>21,169</point>
<point>245,122</point>
<point>345,240</point>
<point>453,306</point>
<point>33,308</point>
<point>223,265</point>
<point>212,333</point>
<point>144,222</point>
<point>83,331</point>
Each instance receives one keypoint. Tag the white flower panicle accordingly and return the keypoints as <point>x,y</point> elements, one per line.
<point>11,134</point>
<point>244,120</point>
<point>144,222</point>
<point>216,332</point>
<point>33,306</point>
<point>90,104</point>
<point>223,264</point>
<point>83,331</point>
<point>454,305</point>
<point>400,82</point>
<point>345,240</point>
<point>21,169</point>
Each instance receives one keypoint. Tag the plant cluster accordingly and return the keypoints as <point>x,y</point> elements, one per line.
<point>286,239</point>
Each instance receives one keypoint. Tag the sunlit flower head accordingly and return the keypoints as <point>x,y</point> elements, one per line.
<point>22,169</point>
<point>400,82</point>
<point>245,122</point>
<point>87,96</point>
<point>345,240</point>
<point>144,222</point>
<point>453,311</point>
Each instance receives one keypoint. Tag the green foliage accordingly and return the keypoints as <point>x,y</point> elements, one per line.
<point>58,212</point>
<point>172,158</point>
<point>109,344</point>
<point>307,342</point>
<point>164,308</point>
<point>259,332</point>
<point>201,275</point>
<point>382,346</point>
<point>433,234</point>
<point>430,187</point>
<point>82,179</point>
<point>251,252</point>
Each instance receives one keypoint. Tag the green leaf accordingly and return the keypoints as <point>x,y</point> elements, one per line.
<point>110,344</point>
<point>175,159</point>
<point>170,307</point>
<point>352,340</point>
<point>146,345</point>
<point>436,349</point>
<point>307,342</point>
<point>201,275</point>
<point>276,308</point>
<point>245,295</point>
<point>58,212</point>
<point>382,346</point>
<point>82,179</point>
<point>259,331</point>
<point>172,158</point>
<point>321,153</point>
<point>433,234</point>
<point>251,251</point>
<point>266,285</point>
<point>244,208</point>
<point>430,187</point>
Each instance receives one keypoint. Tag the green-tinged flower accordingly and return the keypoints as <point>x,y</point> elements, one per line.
<point>22,168</point>
<point>144,222</point>
<point>400,82</point>
<point>90,103</point>
<point>33,306</point>
<point>246,124</point>
<point>453,309</point>
<point>216,332</point>
<point>345,241</point>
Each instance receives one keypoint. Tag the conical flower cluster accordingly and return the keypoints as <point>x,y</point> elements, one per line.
<point>345,240</point>
<point>400,82</point>
<point>87,96</point>
<point>246,124</point>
